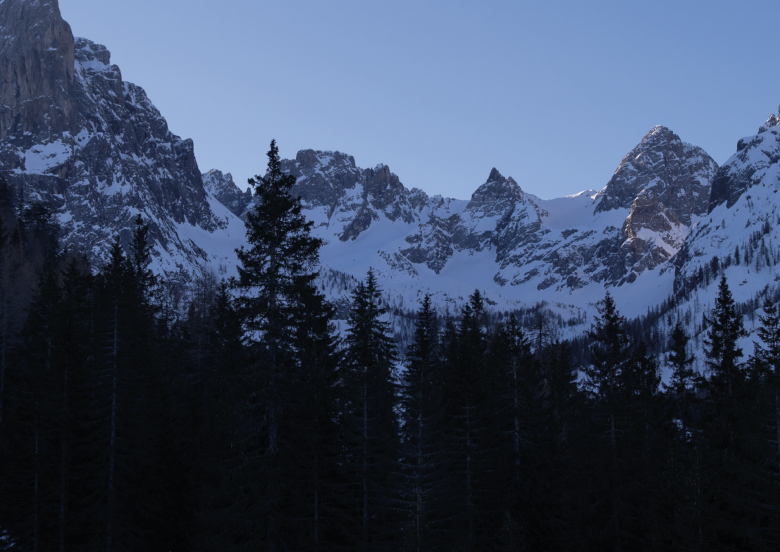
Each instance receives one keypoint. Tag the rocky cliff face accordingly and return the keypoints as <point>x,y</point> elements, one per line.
<point>222,187</point>
<point>330,183</point>
<point>755,163</point>
<point>94,147</point>
<point>37,70</point>
<point>665,183</point>
<point>75,135</point>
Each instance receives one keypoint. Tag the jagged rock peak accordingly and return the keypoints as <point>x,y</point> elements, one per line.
<point>497,189</point>
<point>311,158</point>
<point>771,122</point>
<point>661,160</point>
<point>755,162</point>
<point>222,187</point>
<point>495,176</point>
<point>36,69</point>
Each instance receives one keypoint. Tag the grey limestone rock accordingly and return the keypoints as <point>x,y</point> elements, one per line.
<point>660,186</point>
<point>665,168</point>
<point>664,182</point>
<point>330,181</point>
<point>37,54</point>
<point>752,165</point>
<point>75,135</point>
<point>222,187</point>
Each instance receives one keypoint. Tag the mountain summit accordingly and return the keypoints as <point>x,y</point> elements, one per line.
<point>503,240</point>
<point>95,149</point>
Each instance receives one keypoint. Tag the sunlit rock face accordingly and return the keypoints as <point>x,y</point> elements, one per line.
<point>665,183</point>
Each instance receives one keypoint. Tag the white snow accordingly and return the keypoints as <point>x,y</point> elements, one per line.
<point>39,158</point>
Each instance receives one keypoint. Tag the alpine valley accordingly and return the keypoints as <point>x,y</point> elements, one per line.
<point>77,137</point>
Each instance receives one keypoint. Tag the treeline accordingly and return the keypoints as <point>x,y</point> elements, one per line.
<point>249,424</point>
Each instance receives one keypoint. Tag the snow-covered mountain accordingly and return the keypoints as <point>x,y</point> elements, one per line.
<point>75,135</point>
<point>513,246</point>
<point>665,225</point>
<point>738,237</point>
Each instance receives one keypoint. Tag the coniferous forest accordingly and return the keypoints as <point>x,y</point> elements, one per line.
<point>245,422</point>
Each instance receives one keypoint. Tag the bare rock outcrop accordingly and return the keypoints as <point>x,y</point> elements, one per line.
<point>76,136</point>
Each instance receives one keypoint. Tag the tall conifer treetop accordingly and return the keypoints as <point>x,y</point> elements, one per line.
<point>281,253</point>
<point>610,351</point>
<point>275,280</point>
<point>721,344</point>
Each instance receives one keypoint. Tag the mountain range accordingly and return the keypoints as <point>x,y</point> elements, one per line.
<point>667,223</point>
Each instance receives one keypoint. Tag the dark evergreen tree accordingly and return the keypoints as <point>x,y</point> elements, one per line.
<point>422,410</point>
<point>277,265</point>
<point>471,432</point>
<point>765,384</point>
<point>734,503</point>
<point>80,447</point>
<point>312,461</point>
<point>679,491</point>
<point>623,380</point>
<point>511,352</point>
<point>721,348</point>
<point>611,354</point>
<point>31,489</point>
<point>683,374</point>
<point>275,283</point>
<point>562,420</point>
<point>134,396</point>
<point>768,357</point>
<point>370,421</point>
<point>223,509</point>
<point>557,388</point>
<point>519,422</point>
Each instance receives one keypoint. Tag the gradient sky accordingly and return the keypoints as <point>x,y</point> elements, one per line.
<point>551,93</point>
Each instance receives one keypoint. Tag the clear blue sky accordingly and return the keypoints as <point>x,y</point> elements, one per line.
<point>551,93</point>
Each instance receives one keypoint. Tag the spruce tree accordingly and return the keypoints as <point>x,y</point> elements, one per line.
<point>734,490</point>
<point>679,490</point>
<point>511,352</point>
<point>623,380</point>
<point>471,431</point>
<point>370,422</point>
<point>421,408</point>
<point>769,356</point>
<point>36,406</point>
<point>721,349</point>
<point>80,450</point>
<point>127,350</point>
<point>278,263</point>
<point>562,425</point>
<point>222,512</point>
<point>312,468</point>
<point>275,280</point>
<point>516,410</point>
<point>610,356</point>
<point>683,374</point>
